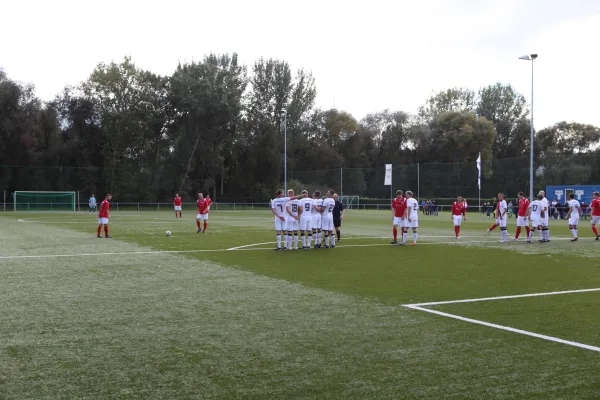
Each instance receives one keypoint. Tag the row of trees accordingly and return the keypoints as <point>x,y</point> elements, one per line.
<point>216,126</point>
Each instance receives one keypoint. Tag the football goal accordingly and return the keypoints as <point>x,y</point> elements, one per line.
<point>44,201</point>
<point>350,202</point>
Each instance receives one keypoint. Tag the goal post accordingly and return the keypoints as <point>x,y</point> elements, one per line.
<point>43,201</point>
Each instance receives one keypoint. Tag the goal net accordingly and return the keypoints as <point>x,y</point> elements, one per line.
<point>350,202</point>
<point>44,201</point>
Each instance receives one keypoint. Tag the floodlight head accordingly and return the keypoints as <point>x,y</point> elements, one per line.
<point>534,56</point>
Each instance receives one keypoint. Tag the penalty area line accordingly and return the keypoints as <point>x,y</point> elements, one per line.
<point>516,296</point>
<point>505,328</point>
<point>239,248</point>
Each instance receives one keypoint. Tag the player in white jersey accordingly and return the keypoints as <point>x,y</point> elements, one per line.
<point>573,216</point>
<point>306,217</point>
<point>545,232</point>
<point>502,215</point>
<point>326,209</point>
<point>535,213</point>
<point>293,220</point>
<point>411,218</point>
<point>278,208</point>
<point>317,218</point>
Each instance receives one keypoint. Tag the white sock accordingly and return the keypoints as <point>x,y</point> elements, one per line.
<point>504,234</point>
<point>309,240</point>
<point>332,235</point>
<point>547,234</point>
<point>296,240</point>
<point>278,240</point>
<point>404,236</point>
<point>289,241</point>
<point>576,232</point>
<point>303,240</point>
<point>531,232</point>
<point>415,236</point>
<point>541,234</point>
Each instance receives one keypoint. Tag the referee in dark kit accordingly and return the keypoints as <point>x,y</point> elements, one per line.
<point>338,216</point>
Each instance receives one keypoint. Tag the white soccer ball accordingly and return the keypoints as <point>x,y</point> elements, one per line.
<point>167,233</point>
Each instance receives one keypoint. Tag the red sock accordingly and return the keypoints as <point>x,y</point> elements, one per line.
<point>518,232</point>
<point>205,225</point>
<point>198,223</point>
<point>595,230</point>
<point>175,214</point>
<point>457,230</point>
<point>179,214</point>
<point>528,230</point>
<point>395,234</point>
<point>99,229</point>
<point>106,230</point>
<point>493,227</point>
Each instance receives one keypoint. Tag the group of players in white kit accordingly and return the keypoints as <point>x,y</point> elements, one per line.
<point>537,211</point>
<point>303,217</point>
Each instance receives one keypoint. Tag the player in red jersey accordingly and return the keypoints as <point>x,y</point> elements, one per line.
<point>177,204</point>
<point>522,219</point>
<point>595,206</point>
<point>104,216</point>
<point>459,210</point>
<point>203,205</point>
<point>398,209</point>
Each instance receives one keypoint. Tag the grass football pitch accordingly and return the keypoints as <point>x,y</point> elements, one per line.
<point>221,315</point>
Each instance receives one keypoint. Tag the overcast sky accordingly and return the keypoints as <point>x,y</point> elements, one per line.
<point>365,55</point>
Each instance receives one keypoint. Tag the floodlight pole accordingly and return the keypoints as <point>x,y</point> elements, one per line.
<point>284,152</point>
<point>531,58</point>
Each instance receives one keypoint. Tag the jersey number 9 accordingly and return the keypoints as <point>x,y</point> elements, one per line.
<point>307,207</point>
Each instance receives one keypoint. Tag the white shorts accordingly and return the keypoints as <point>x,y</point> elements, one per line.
<point>413,224</point>
<point>574,220</point>
<point>292,225</point>
<point>399,221</point>
<point>535,222</point>
<point>522,221</point>
<point>327,223</point>
<point>501,222</point>
<point>280,225</point>
<point>202,217</point>
<point>306,223</point>
<point>595,219</point>
<point>457,220</point>
<point>544,220</point>
<point>177,208</point>
<point>103,221</point>
<point>317,222</point>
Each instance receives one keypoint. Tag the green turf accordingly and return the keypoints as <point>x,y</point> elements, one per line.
<point>255,323</point>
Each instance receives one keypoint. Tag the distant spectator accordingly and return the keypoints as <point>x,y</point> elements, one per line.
<point>553,211</point>
<point>510,209</point>
<point>423,204</point>
<point>488,208</point>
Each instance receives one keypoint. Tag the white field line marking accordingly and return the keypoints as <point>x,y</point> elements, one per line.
<point>506,328</point>
<point>517,296</point>
<point>248,245</point>
<point>16,257</point>
<point>241,248</point>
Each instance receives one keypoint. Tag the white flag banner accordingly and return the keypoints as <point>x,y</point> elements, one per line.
<point>479,171</point>
<point>388,175</point>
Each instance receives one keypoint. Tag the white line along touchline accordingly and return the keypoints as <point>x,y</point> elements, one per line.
<point>422,307</point>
